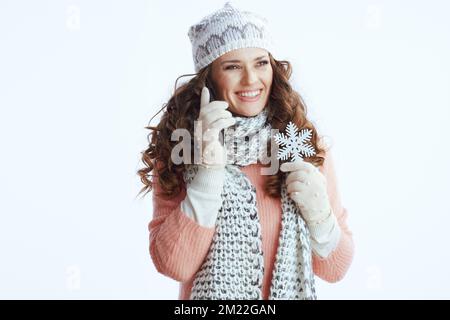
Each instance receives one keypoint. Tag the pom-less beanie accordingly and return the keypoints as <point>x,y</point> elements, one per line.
<point>225,30</point>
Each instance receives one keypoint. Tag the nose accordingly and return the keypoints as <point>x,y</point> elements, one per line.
<point>249,77</point>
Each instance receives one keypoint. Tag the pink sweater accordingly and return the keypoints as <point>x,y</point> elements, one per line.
<point>178,244</point>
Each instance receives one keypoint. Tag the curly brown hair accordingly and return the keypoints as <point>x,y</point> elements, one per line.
<point>183,108</point>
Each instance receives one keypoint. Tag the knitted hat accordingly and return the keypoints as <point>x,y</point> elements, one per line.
<point>225,30</point>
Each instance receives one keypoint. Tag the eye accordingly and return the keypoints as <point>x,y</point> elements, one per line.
<point>263,63</point>
<point>234,66</point>
<point>231,67</point>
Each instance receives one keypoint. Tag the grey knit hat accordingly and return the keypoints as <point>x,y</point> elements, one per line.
<point>225,30</point>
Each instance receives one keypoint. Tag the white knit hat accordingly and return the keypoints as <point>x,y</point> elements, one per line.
<point>225,30</point>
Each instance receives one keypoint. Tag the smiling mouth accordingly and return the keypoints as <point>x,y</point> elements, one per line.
<point>249,96</point>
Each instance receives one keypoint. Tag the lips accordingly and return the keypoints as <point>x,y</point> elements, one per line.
<point>251,90</point>
<point>251,98</point>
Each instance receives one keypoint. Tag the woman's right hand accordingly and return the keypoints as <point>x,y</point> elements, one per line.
<point>213,118</point>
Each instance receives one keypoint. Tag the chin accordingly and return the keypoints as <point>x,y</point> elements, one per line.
<point>247,112</point>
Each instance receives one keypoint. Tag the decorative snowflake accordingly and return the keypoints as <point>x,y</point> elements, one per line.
<point>294,143</point>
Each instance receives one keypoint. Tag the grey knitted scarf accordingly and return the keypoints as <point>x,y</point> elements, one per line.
<point>234,265</point>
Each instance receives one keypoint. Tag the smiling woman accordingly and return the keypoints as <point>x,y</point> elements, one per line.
<point>243,81</point>
<point>221,227</point>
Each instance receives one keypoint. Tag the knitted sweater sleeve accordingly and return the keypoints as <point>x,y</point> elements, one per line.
<point>178,244</point>
<point>334,267</point>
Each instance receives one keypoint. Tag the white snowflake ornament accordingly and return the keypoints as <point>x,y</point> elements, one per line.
<point>294,144</point>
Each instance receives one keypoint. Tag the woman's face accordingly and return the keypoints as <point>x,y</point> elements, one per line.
<point>243,78</point>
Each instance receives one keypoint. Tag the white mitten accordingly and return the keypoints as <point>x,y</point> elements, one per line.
<point>214,117</point>
<point>203,196</point>
<point>307,187</point>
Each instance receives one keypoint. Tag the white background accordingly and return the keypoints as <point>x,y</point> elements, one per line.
<point>79,80</point>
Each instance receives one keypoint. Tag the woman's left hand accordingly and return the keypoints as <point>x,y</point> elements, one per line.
<point>307,187</point>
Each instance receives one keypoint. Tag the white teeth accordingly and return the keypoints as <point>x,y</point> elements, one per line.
<point>249,93</point>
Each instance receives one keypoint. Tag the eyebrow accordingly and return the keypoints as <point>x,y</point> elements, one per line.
<point>235,61</point>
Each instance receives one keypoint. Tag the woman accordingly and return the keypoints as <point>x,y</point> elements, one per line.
<point>222,226</point>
